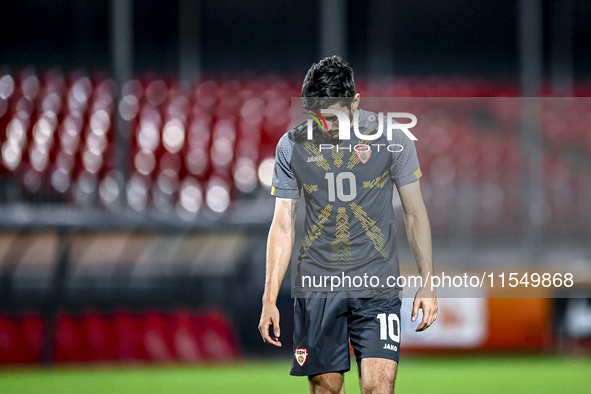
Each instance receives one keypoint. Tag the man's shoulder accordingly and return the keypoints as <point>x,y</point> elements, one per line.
<point>368,119</point>
<point>293,136</point>
<point>297,134</point>
<point>371,120</point>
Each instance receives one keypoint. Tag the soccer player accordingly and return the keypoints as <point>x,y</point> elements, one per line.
<point>349,235</point>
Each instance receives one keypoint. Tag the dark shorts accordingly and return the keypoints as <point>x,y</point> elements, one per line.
<point>323,327</point>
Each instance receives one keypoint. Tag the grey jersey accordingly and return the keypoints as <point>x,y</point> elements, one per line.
<point>349,227</point>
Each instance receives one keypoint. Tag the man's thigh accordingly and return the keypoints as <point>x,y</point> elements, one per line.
<point>374,328</point>
<point>320,336</point>
<point>377,375</point>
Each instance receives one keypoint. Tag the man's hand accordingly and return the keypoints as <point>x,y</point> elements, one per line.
<point>425,299</point>
<point>279,246</point>
<point>270,317</point>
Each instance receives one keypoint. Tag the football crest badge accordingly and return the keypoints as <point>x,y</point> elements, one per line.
<point>301,355</point>
<point>363,153</point>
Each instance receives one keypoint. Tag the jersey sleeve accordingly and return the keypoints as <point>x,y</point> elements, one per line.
<point>404,168</point>
<point>285,184</point>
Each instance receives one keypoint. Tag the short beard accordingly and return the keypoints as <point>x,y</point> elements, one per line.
<point>331,139</point>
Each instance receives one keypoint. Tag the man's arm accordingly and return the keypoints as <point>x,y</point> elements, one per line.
<point>279,245</point>
<point>419,235</point>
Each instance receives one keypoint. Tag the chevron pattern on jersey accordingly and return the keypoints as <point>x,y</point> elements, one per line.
<point>354,160</point>
<point>341,246</point>
<point>380,181</point>
<point>312,148</point>
<point>317,227</point>
<point>310,188</point>
<point>373,232</point>
<point>338,157</point>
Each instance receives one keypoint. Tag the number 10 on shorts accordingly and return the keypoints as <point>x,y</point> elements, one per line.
<point>387,325</point>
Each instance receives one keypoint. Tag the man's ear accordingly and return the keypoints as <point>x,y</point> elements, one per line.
<point>355,102</point>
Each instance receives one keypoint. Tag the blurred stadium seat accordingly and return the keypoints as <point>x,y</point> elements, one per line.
<point>124,336</point>
<point>202,148</point>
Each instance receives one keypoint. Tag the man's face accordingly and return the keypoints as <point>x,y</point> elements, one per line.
<point>333,122</point>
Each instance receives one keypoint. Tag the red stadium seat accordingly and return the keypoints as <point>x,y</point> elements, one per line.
<point>156,337</point>
<point>216,336</point>
<point>98,332</point>
<point>185,339</point>
<point>70,343</point>
<point>32,328</point>
<point>127,336</point>
<point>9,341</point>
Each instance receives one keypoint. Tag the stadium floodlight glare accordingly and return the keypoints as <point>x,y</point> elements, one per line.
<point>16,131</point>
<point>51,103</point>
<point>100,121</point>
<point>252,111</point>
<point>24,108</point>
<point>86,186</point>
<point>148,136</point>
<point>96,141</point>
<point>133,88</point>
<point>190,196</point>
<point>11,154</point>
<point>39,158</point>
<point>168,181</point>
<point>218,195</point>
<point>60,180</point>
<point>196,161</point>
<point>173,135</point>
<point>245,175</point>
<point>266,171</point>
<point>6,87</point>
<point>145,162</point>
<point>92,159</point>
<point>44,128</point>
<point>157,92</point>
<point>137,193</point>
<point>81,90</point>
<point>30,87</point>
<point>109,189</point>
<point>129,107</point>
<point>65,160</point>
<point>32,180</point>
<point>222,152</point>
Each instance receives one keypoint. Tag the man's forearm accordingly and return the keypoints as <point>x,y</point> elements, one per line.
<point>279,245</point>
<point>419,235</point>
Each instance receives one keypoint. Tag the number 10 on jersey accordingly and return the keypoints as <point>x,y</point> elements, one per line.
<point>338,184</point>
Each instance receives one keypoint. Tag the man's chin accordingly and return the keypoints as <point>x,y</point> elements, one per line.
<point>331,137</point>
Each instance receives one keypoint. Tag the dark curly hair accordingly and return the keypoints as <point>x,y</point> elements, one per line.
<point>327,82</point>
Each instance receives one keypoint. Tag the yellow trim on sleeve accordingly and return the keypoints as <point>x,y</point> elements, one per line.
<point>272,190</point>
<point>418,173</point>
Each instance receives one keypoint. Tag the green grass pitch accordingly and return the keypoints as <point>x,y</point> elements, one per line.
<point>416,375</point>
